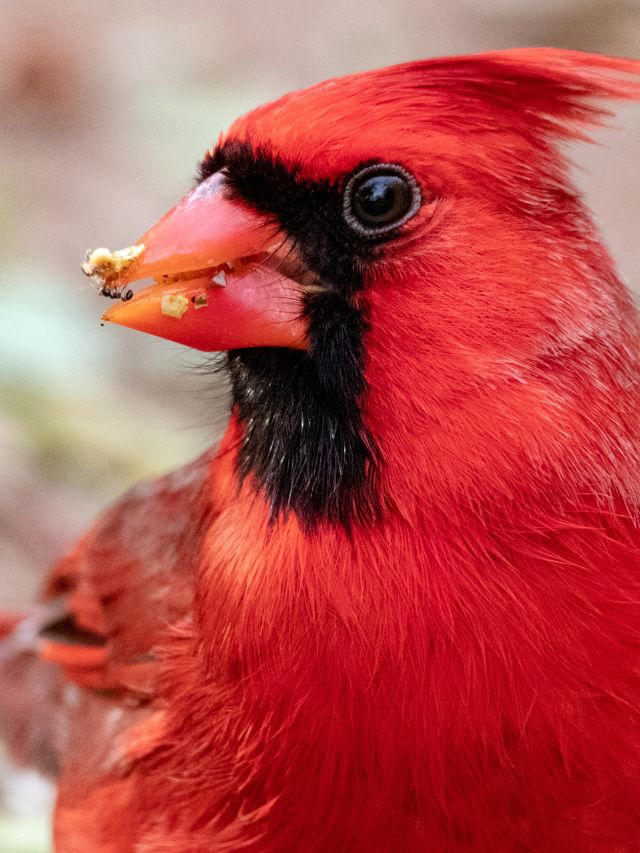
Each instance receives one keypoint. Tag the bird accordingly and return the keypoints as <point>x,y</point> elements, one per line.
<point>398,607</point>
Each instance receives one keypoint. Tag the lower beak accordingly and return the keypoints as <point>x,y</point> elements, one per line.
<point>214,288</point>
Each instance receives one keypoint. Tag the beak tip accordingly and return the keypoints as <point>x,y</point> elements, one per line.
<point>111,314</point>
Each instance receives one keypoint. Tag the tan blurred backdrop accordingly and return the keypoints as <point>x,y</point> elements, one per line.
<point>105,109</point>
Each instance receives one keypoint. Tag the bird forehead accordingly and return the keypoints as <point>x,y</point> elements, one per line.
<point>327,130</point>
<point>319,159</point>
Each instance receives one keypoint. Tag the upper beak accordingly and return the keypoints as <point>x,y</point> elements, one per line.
<point>213,290</point>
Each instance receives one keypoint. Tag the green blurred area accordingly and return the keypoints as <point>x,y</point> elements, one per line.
<point>25,835</point>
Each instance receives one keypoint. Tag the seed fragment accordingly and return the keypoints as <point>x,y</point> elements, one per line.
<point>174,305</point>
<point>220,279</point>
<point>104,265</point>
<point>200,301</point>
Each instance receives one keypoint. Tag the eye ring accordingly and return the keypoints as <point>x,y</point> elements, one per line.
<point>403,196</point>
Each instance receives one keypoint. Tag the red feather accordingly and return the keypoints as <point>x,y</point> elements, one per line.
<point>462,674</point>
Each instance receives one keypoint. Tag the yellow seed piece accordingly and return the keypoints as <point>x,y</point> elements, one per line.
<point>105,264</point>
<point>174,304</point>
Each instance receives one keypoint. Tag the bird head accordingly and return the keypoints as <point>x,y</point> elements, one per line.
<point>400,272</point>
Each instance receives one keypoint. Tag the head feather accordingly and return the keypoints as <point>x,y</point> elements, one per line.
<point>548,90</point>
<point>542,94</point>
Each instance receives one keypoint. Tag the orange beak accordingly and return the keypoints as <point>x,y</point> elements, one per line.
<point>213,289</point>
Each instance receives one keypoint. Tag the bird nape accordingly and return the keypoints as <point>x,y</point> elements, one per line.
<point>398,607</point>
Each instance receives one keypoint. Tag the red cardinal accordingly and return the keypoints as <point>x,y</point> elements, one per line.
<point>399,609</point>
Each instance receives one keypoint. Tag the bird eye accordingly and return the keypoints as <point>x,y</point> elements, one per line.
<point>380,198</point>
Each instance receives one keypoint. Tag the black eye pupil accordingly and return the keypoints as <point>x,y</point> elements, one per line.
<point>381,198</point>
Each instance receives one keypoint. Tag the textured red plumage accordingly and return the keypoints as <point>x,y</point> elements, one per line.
<point>462,673</point>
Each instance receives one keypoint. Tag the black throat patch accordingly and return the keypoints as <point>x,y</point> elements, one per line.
<point>305,444</point>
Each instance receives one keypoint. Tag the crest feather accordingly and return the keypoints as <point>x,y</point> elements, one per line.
<point>549,90</point>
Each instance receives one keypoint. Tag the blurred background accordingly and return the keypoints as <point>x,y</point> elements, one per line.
<point>105,109</point>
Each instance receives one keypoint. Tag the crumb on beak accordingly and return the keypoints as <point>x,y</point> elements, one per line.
<point>174,305</point>
<point>103,265</point>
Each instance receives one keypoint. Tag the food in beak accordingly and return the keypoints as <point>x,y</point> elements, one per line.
<point>104,266</point>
